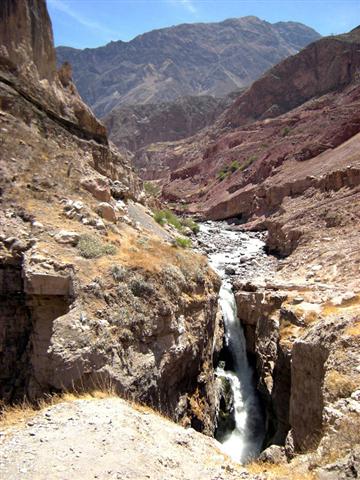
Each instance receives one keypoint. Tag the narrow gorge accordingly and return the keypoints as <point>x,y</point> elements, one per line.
<point>240,422</point>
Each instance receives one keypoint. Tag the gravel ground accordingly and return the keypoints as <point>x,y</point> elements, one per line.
<point>109,439</point>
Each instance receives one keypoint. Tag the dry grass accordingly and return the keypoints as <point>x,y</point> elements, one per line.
<point>340,385</point>
<point>197,405</point>
<point>353,330</point>
<point>339,443</point>
<point>280,471</point>
<point>20,413</point>
<point>288,332</point>
<point>347,306</point>
<point>147,410</point>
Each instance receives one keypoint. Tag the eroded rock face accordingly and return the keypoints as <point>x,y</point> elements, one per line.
<point>26,34</point>
<point>303,377</point>
<point>28,58</point>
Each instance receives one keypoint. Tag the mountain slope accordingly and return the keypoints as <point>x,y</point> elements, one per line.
<point>190,59</point>
<point>136,126</point>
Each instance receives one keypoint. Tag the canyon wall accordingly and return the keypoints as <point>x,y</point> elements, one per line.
<point>94,293</point>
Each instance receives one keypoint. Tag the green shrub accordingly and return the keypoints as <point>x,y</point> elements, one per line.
<point>189,222</point>
<point>90,246</point>
<point>183,242</point>
<point>160,217</point>
<point>228,170</point>
<point>285,132</point>
<point>152,189</point>
<point>234,166</point>
<point>166,216</point>
<point>222,175</point>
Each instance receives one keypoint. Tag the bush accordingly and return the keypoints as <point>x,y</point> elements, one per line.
<point>118,273</point>
<point>183,242</point>
<point>160,217</point>
<point>285,132</point>
<point>189,222</point>
<point>141,288</point>
<point>228,170</point>
<point>234,166</point>
<point>90,246</point>
<point>166,216</point>
<point>223,173</point>
<point>152,189</point>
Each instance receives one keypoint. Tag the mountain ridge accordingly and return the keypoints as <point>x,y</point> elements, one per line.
<point>187,59</point>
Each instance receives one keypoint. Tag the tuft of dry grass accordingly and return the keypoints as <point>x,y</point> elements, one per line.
<point>353,330</point>
<point>340,385</point>
<point>20,413</point>
<point>280,471</point>
<point>339,443</point>
<point>353,304</point>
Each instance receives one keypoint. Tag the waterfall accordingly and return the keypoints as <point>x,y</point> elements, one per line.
<point>244,441</point>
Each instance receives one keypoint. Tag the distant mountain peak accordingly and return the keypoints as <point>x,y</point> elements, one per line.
<point>204,58</point>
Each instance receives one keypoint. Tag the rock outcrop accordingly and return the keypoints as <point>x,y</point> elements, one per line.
<point>93,292</point>
<point>190,59</point>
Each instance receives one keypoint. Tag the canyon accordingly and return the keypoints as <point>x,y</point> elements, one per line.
<point>251,336</point>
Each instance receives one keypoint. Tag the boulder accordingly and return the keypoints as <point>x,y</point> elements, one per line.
<point>44,283</point>
<point>273,454</point>
<point>98,188</point>
<point>107,211</point>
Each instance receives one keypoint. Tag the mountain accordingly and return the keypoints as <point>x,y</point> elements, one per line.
<point>190,59</point>
<point>136,126</point>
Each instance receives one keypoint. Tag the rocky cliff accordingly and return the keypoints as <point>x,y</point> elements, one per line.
<point>93,292</point>
<point>195,59</point>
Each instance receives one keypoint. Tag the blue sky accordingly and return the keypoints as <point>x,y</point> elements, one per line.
<point>91,23</point>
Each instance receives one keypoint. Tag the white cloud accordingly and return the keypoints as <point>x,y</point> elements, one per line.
<point>65,8</point>
<point>188,4</point>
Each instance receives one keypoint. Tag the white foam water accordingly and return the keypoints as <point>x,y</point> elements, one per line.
<point>245,441</point>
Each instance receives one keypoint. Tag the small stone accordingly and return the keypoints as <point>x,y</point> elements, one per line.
<point>67,238</point>
<point>297,300</point>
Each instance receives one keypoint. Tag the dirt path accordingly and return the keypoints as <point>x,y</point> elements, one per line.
<point>108,439</point>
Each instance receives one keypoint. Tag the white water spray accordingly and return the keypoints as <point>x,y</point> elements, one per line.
<point>244,442</point>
